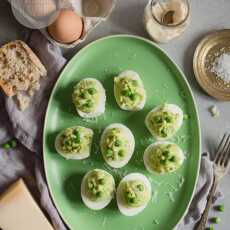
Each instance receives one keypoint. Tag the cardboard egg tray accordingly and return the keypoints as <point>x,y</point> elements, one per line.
<point>93,12</point>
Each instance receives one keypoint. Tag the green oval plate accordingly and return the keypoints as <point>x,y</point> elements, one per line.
<point>164,82</point>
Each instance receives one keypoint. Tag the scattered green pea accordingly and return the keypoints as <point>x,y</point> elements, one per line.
<point>165,153</point>
<point>118,143</point>
<point>126,93</point>
<point>6,146</point>
<point>92,91</point>
<point>83,95</point>
<point>172,159</point>
<point>158,119</point>
<point>168,119</point>
<point>140,187</point>
<point>109,152</point>
<point>163,161</point>
<point>9,144</point>
<point>210,228</point>
<point>121,153</point>
<point>220,208</point>
<point>99,194</point>
<point>133,96</point>
<point>88,104</point>
<point>186,117</point>
<point>77,135</point>
<point>101,181</point>
<point>215,220</point>
<point>13,143</point>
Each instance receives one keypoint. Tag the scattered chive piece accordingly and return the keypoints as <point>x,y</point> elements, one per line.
<point>220,208</point>
<point>215,220</point>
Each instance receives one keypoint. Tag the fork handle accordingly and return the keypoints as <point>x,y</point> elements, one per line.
<point>202,223</point>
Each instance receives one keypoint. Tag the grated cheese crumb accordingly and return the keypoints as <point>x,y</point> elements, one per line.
<point>215,112</point>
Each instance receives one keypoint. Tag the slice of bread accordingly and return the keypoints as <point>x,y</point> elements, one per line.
<point>20,68</point>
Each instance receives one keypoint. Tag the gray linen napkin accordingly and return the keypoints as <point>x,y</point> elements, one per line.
<point>26,160</point>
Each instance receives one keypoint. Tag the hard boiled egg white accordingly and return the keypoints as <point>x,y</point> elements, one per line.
<point>94,205</point>
<point>130,74</point>
<point>170,108</point>
<point>100,109</point>
<point>179,155</point>
<point>130,145</point>
<point>85,153</point>
<point>131,211</point>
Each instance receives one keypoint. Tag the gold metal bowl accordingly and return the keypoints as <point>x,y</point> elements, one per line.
<point>210,47</point>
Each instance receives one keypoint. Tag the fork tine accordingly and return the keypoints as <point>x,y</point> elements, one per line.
<point>224,151</point>
<point>219,149</point>
<point>227,156</point>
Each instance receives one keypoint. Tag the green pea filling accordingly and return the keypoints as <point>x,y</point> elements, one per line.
<point>74,140</point>
<point>165,158</point>
<point>129,92</point>
<point>86,96</point>
<point>163,123</point>
<point>135,193</point>
<point>114,145</point>
<point>99,185</point>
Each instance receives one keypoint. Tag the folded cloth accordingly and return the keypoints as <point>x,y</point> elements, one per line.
<point>199,201</point>
<point>26,160</point>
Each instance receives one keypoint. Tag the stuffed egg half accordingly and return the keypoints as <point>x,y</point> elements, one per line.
<point>164,121</point>
<point>97,189</point>
<point>117,145</point>
<point>163,157</point>
<point>133,194</point>
<point>129,91</point>
<point>74,143</point>
<point>89,98</point>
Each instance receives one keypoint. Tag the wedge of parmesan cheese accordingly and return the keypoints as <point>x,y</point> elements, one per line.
<point>18,210</point>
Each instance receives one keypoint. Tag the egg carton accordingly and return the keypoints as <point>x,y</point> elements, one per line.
<point>93,12</point>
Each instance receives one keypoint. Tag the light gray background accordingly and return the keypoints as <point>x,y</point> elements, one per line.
<point>206,16</point>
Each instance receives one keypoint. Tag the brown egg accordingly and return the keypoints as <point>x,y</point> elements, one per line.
<point>67,28</point>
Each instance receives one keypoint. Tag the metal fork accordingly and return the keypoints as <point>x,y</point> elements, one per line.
<point>221,164</point>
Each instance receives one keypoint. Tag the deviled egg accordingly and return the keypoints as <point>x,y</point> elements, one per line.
<point>97,189</point>
<point>133,194</point>
<point>129,91</point>
<point>164,121</point>
<point>117,145</point>
<point>163,157</point>
<point>74,143</point>
<point>89,98</point>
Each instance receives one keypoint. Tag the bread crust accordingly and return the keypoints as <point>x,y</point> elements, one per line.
<point>33,57</point>
<point>6,86</point>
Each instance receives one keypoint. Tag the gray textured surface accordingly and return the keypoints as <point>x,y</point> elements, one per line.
<point>206,16</point>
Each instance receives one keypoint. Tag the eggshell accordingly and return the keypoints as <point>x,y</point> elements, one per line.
<point>67,28</point>
<point>39,8</point>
